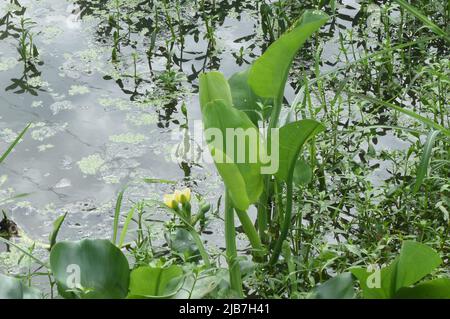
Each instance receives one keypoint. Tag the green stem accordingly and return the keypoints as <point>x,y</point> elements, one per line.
<point>263,210</point>
<point>251,233</point>
<point>287,219</point>
<point>230,241</point>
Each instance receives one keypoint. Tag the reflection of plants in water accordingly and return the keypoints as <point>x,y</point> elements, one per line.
<point>30,81</point>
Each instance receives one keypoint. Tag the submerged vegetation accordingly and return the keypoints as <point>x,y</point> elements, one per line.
<point>338,187</point>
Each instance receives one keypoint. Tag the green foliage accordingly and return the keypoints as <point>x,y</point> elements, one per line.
<point>302,173</point>
<point>243,179</point>
<point>14,143</point>
<point>425,20</point>
<point>414,262</point>
<point>339,287</point>
<point>269,73</point>
<point>244,98</point>
<point>104,270</point>
<point>13,288</point>
<point>422,169</point>
<point>292,138</point>
<point>155,282</point>
<point>56,227</point>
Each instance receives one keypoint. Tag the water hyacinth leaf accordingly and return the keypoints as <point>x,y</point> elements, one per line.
<point>422,169</point>
<point>13,288</point>
<point>90,269</point>
<point>339,287</point>
<point>243,96</point>
<point>433,289</point>
<point>302,173</point>
<point>291,139</point>
<point>155,282</point>
<point>269,73</point>
<point>56,227</point>
<point>414,262</point>
<point>237,160</point>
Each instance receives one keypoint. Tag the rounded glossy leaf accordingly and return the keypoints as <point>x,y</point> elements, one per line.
<point>90,269</point>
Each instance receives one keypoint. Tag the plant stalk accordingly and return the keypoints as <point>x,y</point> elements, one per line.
<point>231,251</point>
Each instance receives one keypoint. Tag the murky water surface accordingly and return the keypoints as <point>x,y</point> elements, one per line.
<point>99,125</point>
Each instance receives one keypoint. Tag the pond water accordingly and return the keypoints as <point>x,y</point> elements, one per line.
<point>98,124</point>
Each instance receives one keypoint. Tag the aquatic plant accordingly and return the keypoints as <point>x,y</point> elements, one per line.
<point>232,106</point>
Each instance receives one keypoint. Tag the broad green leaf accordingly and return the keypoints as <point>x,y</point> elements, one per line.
<point>56,227</point>
<point>269,73</point>
<point>302,173</point>
<point>422,170</point>
<point>432,289</point>
<point>91,269</point>
<point>339,287</point>
<point>236,156</point>
<point>13,288</point>
<point>155,282</point>
<point>291,139</point>
<point>243,97</point>
<point>368,281</point>
<point>414,262</point>
<point>214,86</point>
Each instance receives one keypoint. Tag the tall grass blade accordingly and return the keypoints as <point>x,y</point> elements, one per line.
<point>16,141</point>
<point>117,215</point>
<point>422,169</point>
<point>125,227</point>
<point>56,227</point>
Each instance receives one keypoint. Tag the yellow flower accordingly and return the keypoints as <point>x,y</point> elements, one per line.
<point>183,196</point>
<point>170,200</point>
